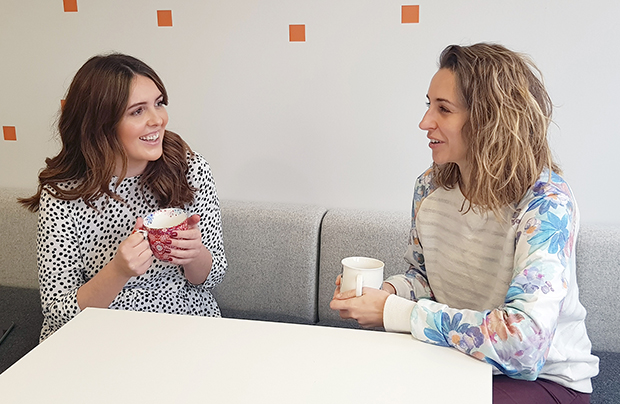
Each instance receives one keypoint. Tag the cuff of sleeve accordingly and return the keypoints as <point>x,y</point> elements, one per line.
<point>397,314</point>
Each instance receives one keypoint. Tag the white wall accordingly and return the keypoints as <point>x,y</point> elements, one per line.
<point>330,121</point>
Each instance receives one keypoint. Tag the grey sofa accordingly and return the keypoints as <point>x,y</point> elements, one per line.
<point>283,260</point>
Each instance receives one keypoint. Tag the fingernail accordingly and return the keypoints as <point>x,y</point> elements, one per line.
<point>168,241</point>
<point>174,234</point>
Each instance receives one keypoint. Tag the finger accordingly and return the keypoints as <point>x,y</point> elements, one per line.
<point>346,295</point>
<point>180,254</point>
<point>193,220</point>
<point>185,248</point>
<point>144,248</point>
<point>139,224</point>
<point>146,258</point>
<point>345,314</point>
<point>336,292</point>
<point>336,304</point>
<point>179,261</point>
<point>135,239</point>
<point>339,279</point>
<point>186,240</point>
<point>191,234</point>
<point>388,288</point>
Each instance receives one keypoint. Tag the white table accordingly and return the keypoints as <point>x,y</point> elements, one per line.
<point>109,356</point>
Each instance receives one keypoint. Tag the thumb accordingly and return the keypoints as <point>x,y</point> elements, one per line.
<point>193,220</point>
<point>139,223</point>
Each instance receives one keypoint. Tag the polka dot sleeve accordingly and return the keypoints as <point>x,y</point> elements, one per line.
<point>206,204</point>
<point>59,260</point>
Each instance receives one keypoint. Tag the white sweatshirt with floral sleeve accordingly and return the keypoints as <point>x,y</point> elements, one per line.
<point>503,291</point>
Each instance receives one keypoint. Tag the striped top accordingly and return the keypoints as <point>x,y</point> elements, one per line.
<point>471,255</point>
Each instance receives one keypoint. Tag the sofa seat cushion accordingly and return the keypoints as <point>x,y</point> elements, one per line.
<point>21,306</point>
<point>607,384</point>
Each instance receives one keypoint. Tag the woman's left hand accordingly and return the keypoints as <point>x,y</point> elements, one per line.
<point>367,309</point>
<point>186,245</point>
<point>186,249</point>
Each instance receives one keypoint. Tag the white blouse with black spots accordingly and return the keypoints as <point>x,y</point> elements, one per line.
<point>74,242</point>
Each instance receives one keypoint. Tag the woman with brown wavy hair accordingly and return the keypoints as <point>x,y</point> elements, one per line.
<point>117,164</point>
<point>492,246</point>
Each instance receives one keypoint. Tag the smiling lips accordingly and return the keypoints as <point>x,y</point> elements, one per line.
<point>434,142</point>
<point>150,138</point>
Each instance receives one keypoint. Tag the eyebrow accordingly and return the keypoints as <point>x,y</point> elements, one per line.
<point>442,100</point>
<point>144,102</point>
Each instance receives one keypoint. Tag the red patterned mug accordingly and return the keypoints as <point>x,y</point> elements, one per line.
<point>158,228</point>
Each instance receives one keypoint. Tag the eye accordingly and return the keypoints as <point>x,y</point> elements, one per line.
<point>444,109</point>
<point>137,111</point>
<point>428,104</point>
<point>160,103</point>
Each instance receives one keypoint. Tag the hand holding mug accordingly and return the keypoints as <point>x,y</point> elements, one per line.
<point>367,309</point>
<point>134,256</point>
<point>186,245</point>
<point>357,295</point>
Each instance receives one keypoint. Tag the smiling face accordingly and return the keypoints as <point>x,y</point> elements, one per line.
<point>141,129</point>
<point>444,121</point>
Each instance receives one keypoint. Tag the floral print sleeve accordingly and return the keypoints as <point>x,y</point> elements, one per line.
<point>413,285</point>
<point>516,337</point>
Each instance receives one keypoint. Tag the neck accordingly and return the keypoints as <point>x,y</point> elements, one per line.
<point>132,170</point>
<point>464,182</point>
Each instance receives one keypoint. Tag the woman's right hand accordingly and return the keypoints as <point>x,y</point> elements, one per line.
<point>134,256</point>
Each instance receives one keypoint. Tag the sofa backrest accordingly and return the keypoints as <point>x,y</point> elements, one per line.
<point>284,258</point>
<point>18,250</point>
<point>598,277</point>
<point>272,252</point>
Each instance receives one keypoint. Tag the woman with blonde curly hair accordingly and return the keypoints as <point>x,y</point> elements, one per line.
<point>492,246</point>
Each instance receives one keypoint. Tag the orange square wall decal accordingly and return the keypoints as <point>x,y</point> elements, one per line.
<point>411,14</point>
<point>9,133</point>
<point>297,33</point>
<point>70,6</point>
<point>164,18</point>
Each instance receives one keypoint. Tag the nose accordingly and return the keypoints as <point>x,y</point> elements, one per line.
<point>156,117</point>
<point>427,122</point>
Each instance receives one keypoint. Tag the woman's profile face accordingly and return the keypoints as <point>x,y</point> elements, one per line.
<point>444,120</point>
<point>141,129</point>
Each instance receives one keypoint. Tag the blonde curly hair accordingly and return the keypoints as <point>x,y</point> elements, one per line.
<point>506,132</point>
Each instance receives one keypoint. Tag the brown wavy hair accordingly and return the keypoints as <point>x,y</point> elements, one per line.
<point>506,132</point>
<point>94,105</point>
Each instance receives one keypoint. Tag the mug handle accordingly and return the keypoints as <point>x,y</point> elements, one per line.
<point>142,231</point>
<point>359,283</point>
